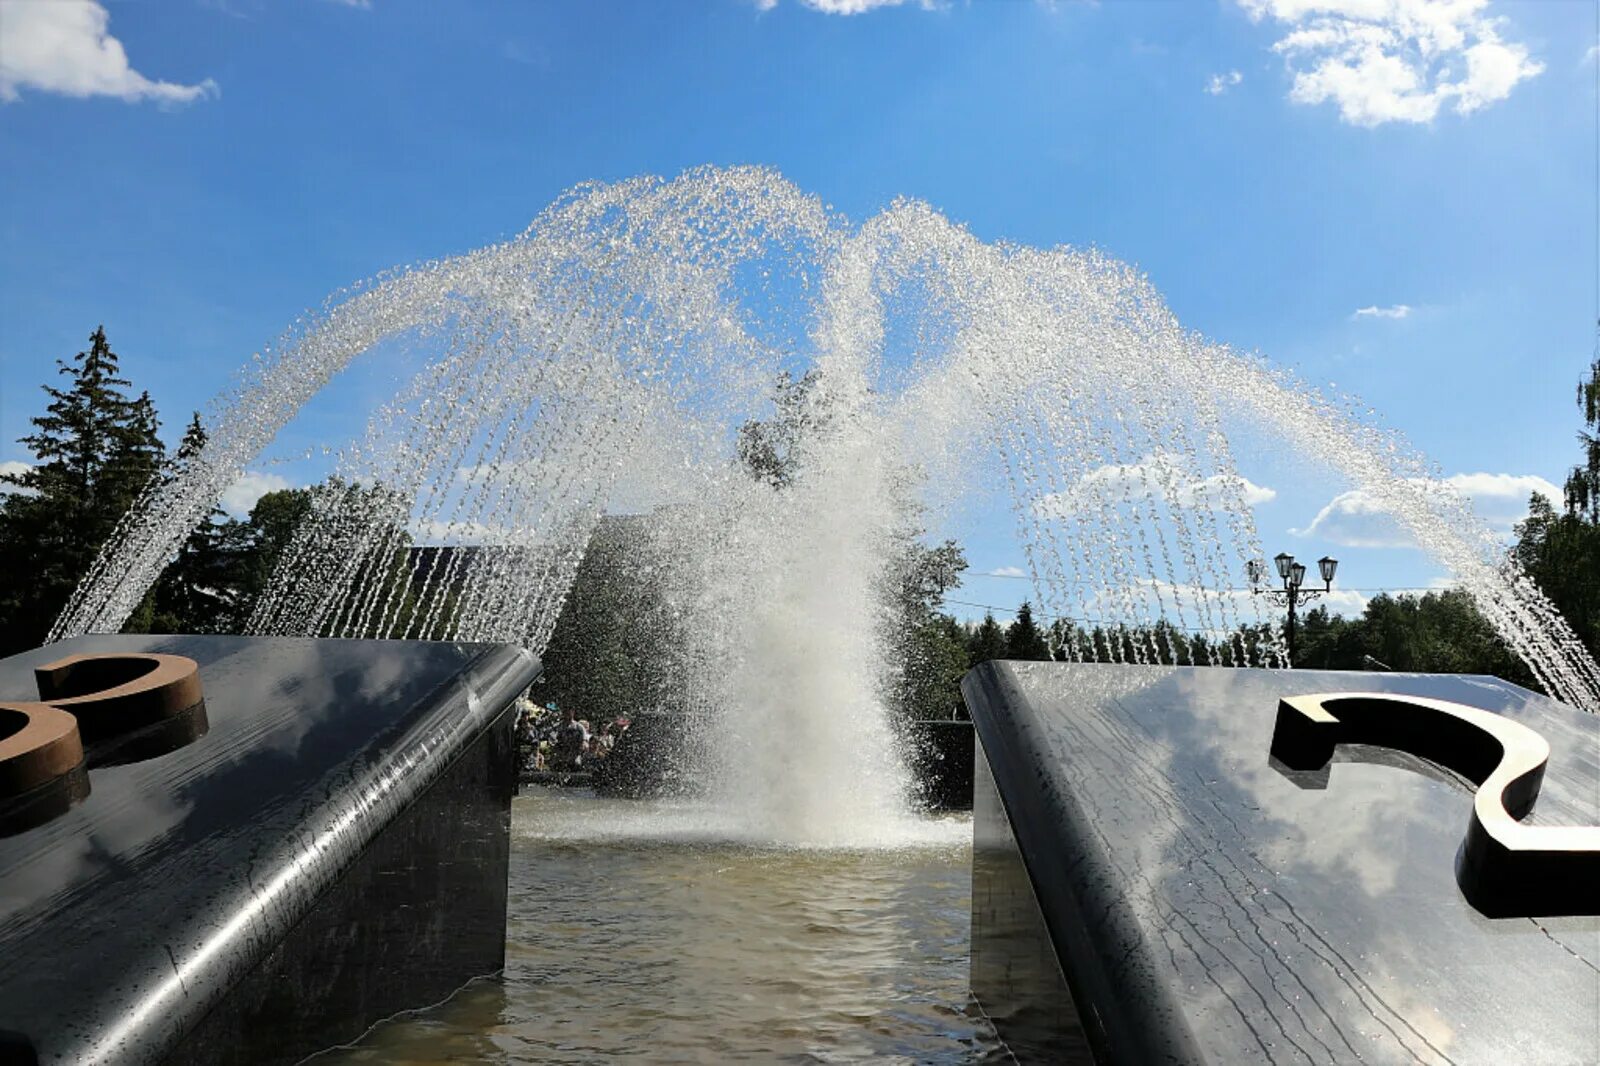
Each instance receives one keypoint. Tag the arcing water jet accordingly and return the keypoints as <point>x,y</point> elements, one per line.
<point>605,358</point>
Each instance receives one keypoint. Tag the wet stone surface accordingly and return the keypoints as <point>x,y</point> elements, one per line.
<point>1206,906</point>
<point>333,776</point>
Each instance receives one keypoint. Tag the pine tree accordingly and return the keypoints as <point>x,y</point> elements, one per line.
<point>1066,640</point>
<point>95,451</point>
<point>1024,639</point>
<point>988,641</point>
<point>202,589</point>
<point>1582,489</point>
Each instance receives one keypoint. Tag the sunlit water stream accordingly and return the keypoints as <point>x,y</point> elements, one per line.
<point>641,931</point>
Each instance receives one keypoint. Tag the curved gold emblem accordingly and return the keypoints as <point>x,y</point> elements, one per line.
<point>1504,867</point>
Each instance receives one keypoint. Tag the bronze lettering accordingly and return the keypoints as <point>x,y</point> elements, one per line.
<point>93,710</point>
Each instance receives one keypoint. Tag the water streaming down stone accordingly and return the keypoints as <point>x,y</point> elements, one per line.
<point>603,360</point>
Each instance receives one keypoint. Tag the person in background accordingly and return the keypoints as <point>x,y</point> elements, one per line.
<point>600,743</point>
<point>526,739</point>
<point>572,739</point>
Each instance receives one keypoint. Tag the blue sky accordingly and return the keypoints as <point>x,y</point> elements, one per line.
<point>195,173</point>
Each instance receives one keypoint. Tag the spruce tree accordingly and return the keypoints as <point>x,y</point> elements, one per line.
<point>95,450</point>
<point>202,589</point>
<point>988,641</point>
<point>1583,482</point>
<point>1024,639</point>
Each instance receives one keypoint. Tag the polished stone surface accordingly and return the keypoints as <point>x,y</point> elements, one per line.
<point>205,892</point>
<point>1207,906</point>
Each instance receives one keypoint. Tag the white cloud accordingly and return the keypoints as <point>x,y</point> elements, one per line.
<point>63,46</point>
<point>1502,499</point>
<point>1005,571</point>
<point>12,466</point>
<point>1221,83</point>
<point>1357,519</point>
<point>1397,311</point>
<point>365,5</point>
<point>438,531</point>
<point>243,494</point>
<point>1395,60</point>
<point>1154,477</point>
<point>1592,54</point>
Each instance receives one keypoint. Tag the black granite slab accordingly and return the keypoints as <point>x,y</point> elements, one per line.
<point>1017,977</point>
<point>1207,906</point>
<point>330,851</point>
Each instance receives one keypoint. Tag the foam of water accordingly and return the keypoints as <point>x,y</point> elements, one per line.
<point>603,359</point>
<point>581,818</point>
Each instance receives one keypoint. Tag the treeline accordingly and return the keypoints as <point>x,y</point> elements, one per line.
<point>1437,632</point>
<point>96,449</point>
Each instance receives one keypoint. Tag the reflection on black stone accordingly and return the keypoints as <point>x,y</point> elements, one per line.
<point>1196,892</point>
<point>34,808</point>
<point>345,803</point>
<point>420,912</point>
<point>1015,976</point>
<point>150,741</point>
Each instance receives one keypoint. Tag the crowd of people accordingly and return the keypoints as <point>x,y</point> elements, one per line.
<point>555,739</point>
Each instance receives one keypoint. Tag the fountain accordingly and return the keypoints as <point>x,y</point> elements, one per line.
<point>603,360</point>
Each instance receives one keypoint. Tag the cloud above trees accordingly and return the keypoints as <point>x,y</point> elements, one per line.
<point>1157,476</point>
<point>1357,519</point>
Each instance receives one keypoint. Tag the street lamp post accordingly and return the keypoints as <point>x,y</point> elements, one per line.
<point>1293,575</point>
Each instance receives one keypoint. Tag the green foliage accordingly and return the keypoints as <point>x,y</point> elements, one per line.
<point>1438,632</point>
<point>1582,489</point>
<point>201,590</point>
<point>987,641</point>
<point>382,599</point>
<point>1024,639</point>
<point>927,649</point>
<point>603,659</point>
<point>1561,550</point>
<point>269,529</point>
<point>772,450</point>
<point>95,450</point>
<point>1561,553</point>
<point>935,660</point>
<point>923,575</point>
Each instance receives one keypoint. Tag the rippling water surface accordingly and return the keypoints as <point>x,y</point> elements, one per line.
<point>642,930</point>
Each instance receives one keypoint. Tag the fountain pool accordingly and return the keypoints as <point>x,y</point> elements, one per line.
<point>639,925</point>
